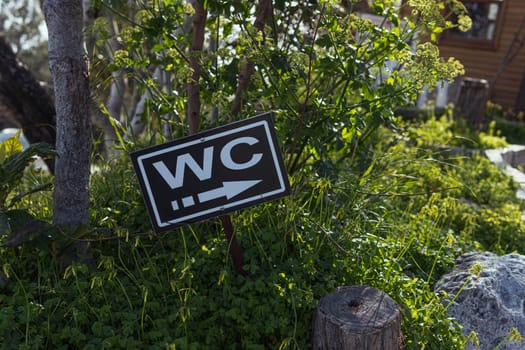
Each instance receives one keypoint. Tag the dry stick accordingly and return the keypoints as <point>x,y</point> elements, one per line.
<point>247,70</point>
<point>197,41</point>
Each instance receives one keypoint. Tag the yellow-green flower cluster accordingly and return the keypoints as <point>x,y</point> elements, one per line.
<point>464,23</point>
<point>428,67</point>
<point>430,10</point>
<point>435,14</point>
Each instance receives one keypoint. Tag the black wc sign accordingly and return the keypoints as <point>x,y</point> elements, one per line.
<point>211,173</point>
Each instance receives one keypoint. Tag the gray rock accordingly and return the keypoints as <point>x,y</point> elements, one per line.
<point>491,304</point>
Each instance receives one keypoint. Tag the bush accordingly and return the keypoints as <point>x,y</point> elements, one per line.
<point>506,123</point>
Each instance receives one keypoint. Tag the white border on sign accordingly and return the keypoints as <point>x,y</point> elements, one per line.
<point>266,126</point>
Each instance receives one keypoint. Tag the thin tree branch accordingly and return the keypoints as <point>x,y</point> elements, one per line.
<point>197,43</point>
<point>212,48</point>
<point>263,14</point>
<point>303,107</point>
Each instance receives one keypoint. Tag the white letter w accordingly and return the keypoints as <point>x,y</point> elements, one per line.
<point>177,181</point>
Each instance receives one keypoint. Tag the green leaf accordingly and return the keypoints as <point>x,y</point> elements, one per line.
<point>12,169</point>
<point>158,48</point>
<point>117,126</point>
<point>10,146</point>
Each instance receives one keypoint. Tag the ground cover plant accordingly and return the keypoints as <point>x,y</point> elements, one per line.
<point>507,122</point>
<point>396,223</point>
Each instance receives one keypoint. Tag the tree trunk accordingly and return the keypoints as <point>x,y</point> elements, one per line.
<point>197,43</point>
<point>68,65</point>
<point>24,103</point>
<point>357,318</point>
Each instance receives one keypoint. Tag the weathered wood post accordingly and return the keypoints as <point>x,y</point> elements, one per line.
<point>357,318</point>
<point>472,99</point>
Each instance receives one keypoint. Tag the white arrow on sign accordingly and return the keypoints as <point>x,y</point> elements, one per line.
<point>229,190</point>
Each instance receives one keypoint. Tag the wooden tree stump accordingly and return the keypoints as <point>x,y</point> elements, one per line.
<point>357,318</point>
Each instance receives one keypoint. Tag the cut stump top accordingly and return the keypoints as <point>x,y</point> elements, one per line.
<point>359,309</point>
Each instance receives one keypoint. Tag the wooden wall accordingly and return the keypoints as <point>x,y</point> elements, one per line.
<point>485,62</point>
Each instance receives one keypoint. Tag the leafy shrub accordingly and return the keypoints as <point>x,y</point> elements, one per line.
<point>444,130</point>
<point>514,131</point>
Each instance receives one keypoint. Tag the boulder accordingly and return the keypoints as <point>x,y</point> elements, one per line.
<point>490,302</point>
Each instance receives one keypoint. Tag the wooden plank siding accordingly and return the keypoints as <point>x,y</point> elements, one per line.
<point>485,63</point>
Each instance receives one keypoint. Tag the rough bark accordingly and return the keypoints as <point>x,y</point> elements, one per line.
<point>357,318</point>
<point>68,65</point>
<point>197,43</point>
<point>263,14</point>
<point>24,103</point>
